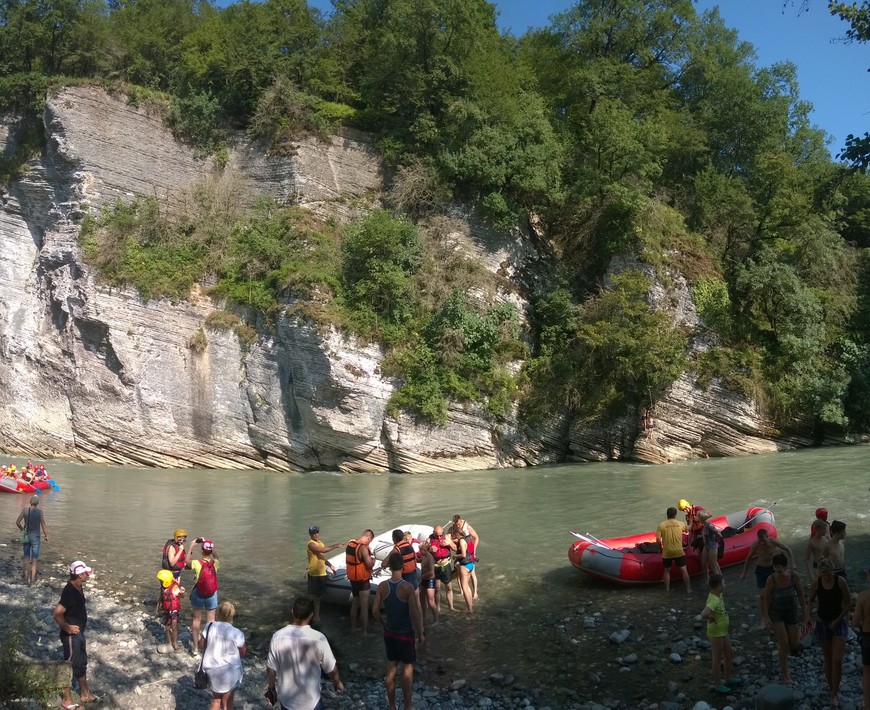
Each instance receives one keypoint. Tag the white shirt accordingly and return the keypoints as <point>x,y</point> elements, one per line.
<point>224,642</point>
<point>298,654</point>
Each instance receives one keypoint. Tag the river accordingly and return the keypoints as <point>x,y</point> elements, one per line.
<point>119,518</point>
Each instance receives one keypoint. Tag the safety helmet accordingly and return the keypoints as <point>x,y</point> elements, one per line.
<point>181,532</point>
<point>165,577</point>
<point>684,504</point>
<point>822,513</point>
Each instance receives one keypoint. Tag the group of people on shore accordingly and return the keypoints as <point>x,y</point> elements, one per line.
<point>419,570</point>
<point>786,610</point>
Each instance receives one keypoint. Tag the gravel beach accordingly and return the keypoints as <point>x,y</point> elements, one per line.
<point>610,649</point>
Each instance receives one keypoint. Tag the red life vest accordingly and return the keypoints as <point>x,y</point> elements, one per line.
<point>180,562</point>
<point>357,571</point>
<point>171,601</point>
<point>440,550</point>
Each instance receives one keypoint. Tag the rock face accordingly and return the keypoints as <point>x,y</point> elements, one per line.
<point>94,373</point>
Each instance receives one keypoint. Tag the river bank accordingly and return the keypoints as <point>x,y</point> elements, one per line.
<point>609,649</point>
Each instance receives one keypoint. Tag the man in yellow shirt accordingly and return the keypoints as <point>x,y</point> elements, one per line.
<point>317,565</point>
<point>669,536</point>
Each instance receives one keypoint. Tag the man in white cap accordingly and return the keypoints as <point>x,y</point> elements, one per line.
<point>71,615</point>
<point>31,520</point>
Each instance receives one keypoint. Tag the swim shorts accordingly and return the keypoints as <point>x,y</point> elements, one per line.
<point>357,587</point>
<point>317,585</point>
<point>170,616</point>
<point>428,583</point>
<point>761,575</point>
<point>865,649</point>
<point>678,561</point>
<point>443,573</point>
<point>400,647</point>
<point>787,613</point>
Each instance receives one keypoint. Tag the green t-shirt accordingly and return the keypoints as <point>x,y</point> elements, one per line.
<point>719,626</point>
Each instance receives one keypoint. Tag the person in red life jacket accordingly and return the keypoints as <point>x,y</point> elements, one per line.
<point>442,549</point>
<point>204,595</point>
<point>170,604</point>
<point>409,558</point>
<point>693,521</point>
<point>470,535</point>
<point>427,581</point>
<point>463,559</point>
<point>174,555</point>
<point>360,563</point>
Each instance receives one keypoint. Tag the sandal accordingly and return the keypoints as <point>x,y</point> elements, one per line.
<point>91,699</point>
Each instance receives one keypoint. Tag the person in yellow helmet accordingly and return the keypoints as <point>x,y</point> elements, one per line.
<point>175,558</point>
<point>693,522</point>
<point>170,603</point>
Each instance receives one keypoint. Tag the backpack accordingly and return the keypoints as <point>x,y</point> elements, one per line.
<point>207,584</point>
<point>166,564</point>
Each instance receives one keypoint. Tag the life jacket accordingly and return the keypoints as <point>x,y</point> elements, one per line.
<point>357,571</point>
<point>409,557</point>
<point>470,547</point>
<point>182,558</point>
<point>207,583</point>
<point>170,599</point>
<point>440,551</point>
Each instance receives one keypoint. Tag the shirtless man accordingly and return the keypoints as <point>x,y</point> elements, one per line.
<point>816,548</point>
<point>763,550</point>
<point>834,548</point>
<point>861,622</point>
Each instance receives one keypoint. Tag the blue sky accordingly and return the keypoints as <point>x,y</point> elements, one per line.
<point>832,75</point>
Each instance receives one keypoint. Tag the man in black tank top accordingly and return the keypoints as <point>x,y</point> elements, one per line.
<point>401,618</point>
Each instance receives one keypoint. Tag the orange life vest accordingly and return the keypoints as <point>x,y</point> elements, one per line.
<point>409,557</point>
<point>357,571</point>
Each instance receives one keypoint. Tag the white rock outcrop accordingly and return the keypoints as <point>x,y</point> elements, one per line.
<point>95,373</point>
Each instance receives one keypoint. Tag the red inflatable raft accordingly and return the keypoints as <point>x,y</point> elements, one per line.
<point>638,560</point>
<point>8,484</point>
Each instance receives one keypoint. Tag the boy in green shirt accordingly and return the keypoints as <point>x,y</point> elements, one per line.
<point>717,632</point>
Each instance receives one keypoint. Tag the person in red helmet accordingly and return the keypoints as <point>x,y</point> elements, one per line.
<point>822,517</point>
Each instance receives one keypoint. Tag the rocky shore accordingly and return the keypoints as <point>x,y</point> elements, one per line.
<point>650,653</point>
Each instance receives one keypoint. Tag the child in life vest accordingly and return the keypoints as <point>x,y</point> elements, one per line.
<point>170,603</point>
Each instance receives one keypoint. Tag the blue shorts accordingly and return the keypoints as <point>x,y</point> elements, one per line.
<point>428,583</point>
<point>33,545</point>
<point>413,578</point>
<point>469,567</point>
<point>199,602</point>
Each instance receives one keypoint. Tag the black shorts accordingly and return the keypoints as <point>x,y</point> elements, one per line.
<point>316,586</point>
<point>75,651</point>
<point>678,561</point>
<point>865,649</point>
<point>400,647</point>
<point>357,587</point>
<point>443,574</point>
<point>761,575</point>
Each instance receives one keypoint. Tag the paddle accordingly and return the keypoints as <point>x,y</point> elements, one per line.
<point>596,541</point>
<point>51,482</point>
<point>768,508</point>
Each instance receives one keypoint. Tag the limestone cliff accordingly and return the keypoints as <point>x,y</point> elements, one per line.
<point>94,373</point>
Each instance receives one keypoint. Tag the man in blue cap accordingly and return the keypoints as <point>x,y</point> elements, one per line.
<point>317,565</point>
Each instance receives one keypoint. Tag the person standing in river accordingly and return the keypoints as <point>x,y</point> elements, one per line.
<point>762,550</point>
<point>204,595</point>
<point>359,564</point>
<point>401,618</point>
<point>71,615</point>
<point>31,520</point>
<point>317,565</point>
<point>669,536</point>
<point>835,549</point>
<point>461,524</point>
<point>832,623</point>
<point>817,548</point>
